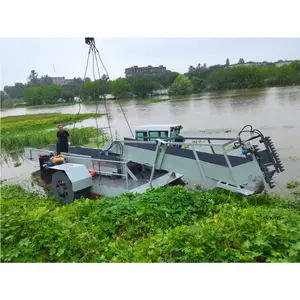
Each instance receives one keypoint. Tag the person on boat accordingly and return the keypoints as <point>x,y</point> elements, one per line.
<point>63,140</point>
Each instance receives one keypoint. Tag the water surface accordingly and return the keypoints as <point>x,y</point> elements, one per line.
<point>274,111</point>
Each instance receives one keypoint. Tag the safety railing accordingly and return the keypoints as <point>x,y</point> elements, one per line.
<point>223,144</point>
<point>99,160</point>
<point>210,142</point>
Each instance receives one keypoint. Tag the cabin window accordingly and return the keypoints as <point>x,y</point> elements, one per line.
<point>174,133</point>
<point>163,134</point>
<point>141,136</point>
<point>153,135</point>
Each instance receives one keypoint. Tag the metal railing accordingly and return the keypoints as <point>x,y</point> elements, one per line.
<point>224,142</point>
<point>124,163</point>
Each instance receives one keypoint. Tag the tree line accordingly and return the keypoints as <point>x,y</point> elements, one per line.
<point>39,91</point>
<point>199,78</point>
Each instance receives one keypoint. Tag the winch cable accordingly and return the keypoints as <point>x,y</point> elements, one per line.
<point>94,50</point>
<point>79,108</point>
<point>105,104</point>
<point>116,99</point>
<point>96,103</point>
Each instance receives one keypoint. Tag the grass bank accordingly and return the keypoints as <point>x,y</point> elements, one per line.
<point>156,100</point>
<point>89,102</point>
<point>18,104</point>
<point>37,122</point>
<point>34,130</point>
<point>168,224</point>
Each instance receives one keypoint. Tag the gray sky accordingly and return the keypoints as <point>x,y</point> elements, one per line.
<point>68,55</point>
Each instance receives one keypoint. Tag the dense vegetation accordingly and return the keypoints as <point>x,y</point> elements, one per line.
<point>242,77</point>
<point>168,224</point>
<point>22,131</point>
<point>41,91</point>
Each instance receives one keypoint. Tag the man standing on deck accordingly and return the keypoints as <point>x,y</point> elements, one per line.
<point>63,140</point>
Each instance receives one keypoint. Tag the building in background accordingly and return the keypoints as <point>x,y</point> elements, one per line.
<point>281,63</point>
<point>278,63</point>
<point>61,81</point>
<point>249,64</point>
<point>149,70</point>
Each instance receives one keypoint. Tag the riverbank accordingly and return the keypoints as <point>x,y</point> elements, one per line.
<point>89,102</point>
<point>155,98</point>
<point>168,224</point>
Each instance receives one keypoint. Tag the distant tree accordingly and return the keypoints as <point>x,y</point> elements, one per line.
<point>68,93</point>
<point>227,62</point>
<point>241,61</point>
<point>143,86</point>
<point>43,94</point>
<point>33,95</point>
<point>171,77</point>
<point>87,91</point>
<point>182,85</point>
<point>50,94</point>
<point>33,78</point>
<point>16,91</point>
<point>3,97</point>
<point>191,69</point>
<point>120,88</point>
<point>46,80</point>
<point>77,81</point>
<point>103,87</point>
<point>198,84</point>
<point>71,91</point>
<point>104,77</point>
<point>95,89</point>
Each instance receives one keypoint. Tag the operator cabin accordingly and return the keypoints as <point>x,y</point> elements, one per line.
<point>152,132</point>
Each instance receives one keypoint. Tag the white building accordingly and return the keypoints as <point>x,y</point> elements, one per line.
<point>61,81</point>
<point>283,63</point>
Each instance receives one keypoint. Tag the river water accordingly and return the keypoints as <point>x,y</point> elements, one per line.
<point>274,111</point>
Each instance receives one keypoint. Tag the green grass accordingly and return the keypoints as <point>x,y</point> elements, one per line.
<point>94,144</point>
<point>38,122</point>
<point>18,132</point>
<point>80,136</point>
<point>17,164</point>
<point>10,103</point>
<point>88,102</point>
<point>156,100</point>
<point>168,224</point>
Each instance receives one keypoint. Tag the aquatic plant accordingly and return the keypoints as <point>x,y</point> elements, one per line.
<point>18,132</point>
<point>168,224</point>
<point>293,184</point>
<point>156,100</point>
<point>38,122</point>
<point>80,136</point>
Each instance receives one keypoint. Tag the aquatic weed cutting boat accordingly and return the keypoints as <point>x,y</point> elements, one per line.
<point>157,155</point>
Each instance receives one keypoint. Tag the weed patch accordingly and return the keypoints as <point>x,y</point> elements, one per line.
<point>168,224</point>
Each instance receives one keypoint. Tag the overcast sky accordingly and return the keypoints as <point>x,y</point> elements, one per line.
<point>67,56</point>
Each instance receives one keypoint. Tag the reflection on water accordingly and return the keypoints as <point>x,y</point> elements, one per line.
<point>276,111</point>
<point>16,173</point>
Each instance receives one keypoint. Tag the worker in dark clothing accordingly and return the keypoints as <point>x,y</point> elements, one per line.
<point>63,140</point>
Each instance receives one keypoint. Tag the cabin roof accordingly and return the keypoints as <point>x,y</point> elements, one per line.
<point>156,127</point>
